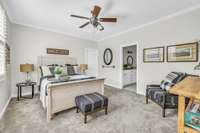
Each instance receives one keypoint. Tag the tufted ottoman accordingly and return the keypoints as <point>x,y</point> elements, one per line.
<point>90,103</point>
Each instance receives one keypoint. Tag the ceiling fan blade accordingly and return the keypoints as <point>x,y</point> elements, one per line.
<point>81,17</point>
<point>96,11</point>
<point>108,19</point>
<point>82,26</point>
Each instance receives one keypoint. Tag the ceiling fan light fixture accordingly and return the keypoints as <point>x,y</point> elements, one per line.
<point>100,27</point>
<point>94,20</point>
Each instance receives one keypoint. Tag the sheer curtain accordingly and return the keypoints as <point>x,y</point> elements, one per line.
<point>3,36</point>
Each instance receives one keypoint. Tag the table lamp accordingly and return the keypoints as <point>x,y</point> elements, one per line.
<point>27,68</point>
<point>83,68</point>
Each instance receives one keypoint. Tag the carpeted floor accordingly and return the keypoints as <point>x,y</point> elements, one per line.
<point>127,113</point>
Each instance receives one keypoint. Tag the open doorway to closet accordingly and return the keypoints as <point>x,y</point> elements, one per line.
<point>129,67</point>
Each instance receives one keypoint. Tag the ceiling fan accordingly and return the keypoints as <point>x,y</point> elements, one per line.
<point>94,20</point>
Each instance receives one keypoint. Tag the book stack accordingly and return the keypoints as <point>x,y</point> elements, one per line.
<point>192,116</point>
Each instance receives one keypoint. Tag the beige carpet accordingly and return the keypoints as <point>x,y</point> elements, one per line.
<point>127,113</point>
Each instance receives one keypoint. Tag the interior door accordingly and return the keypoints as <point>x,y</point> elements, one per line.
<point>91,58</point>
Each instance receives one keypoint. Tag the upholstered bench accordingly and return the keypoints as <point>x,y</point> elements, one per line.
<point>90,103</point>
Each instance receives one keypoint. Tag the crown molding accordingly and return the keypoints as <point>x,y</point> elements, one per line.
<point>179,13</point>
<point>54,31</point>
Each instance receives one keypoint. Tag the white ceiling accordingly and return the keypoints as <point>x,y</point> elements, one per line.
<point>54,15</point>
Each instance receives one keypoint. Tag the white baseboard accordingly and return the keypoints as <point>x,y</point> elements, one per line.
<point>113,85</point>
<point>4,108</point>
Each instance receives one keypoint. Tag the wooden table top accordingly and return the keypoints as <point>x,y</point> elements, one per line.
<point>189,87</point>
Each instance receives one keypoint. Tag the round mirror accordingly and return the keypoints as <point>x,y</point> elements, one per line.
<point>130,60</point>
<point>108,56</point>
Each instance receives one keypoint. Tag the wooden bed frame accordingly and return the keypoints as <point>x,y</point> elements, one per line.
<point>61,96</point>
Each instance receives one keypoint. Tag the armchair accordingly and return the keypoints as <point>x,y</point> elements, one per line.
<point>160,95</point>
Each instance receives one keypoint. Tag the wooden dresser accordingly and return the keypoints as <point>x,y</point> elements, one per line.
<point>189,87</point>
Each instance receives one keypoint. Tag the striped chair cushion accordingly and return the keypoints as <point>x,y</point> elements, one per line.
<point>158,96</point>
<point>90,102</point>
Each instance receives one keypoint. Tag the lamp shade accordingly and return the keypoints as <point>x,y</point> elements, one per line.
<point>26,68</point>
<point>83,67</point>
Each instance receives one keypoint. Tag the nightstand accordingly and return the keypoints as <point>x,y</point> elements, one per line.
<point>24,84</point>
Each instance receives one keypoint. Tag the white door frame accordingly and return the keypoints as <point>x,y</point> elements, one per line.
<point>121,63</point>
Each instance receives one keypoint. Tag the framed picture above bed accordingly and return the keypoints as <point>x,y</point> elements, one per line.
<point>183,52</point>
<point>155,54</point>
<point>57,51</point>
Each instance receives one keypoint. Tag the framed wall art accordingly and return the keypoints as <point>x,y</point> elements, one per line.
<point>183,52</point>
<point>155,54</point>
<point>108,56</point>
<point>57,51</point>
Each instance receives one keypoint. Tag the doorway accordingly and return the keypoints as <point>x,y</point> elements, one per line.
<point>91,59</point>
<point>129,67</point>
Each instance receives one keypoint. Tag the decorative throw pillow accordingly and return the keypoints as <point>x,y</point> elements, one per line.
<point>64,70</point>
<point>171,79</point>
<point>165,85</point>
<point>181,77</point>
<point>45,71</point>
<point>70,70</point>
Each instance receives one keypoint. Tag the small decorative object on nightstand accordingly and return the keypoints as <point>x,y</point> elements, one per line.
<point>24,84</point>
<point>27,68</point>
<point>83,68</point>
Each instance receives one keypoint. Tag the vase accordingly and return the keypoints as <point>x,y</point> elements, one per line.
<point>57,76</point>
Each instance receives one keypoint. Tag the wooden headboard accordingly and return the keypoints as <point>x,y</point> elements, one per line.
<point>54,59</point>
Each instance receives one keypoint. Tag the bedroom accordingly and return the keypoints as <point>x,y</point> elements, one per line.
<point>41,25</point>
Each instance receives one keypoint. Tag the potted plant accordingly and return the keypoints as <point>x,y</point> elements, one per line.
<point>58,72</point>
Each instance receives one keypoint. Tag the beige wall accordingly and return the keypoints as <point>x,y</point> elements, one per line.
<point>29,43</point>
<point>180,29</point>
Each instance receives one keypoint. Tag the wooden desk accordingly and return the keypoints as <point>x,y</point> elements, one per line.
<point>189,87</point>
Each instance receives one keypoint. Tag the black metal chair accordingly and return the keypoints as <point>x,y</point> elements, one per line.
<point>160,95</point>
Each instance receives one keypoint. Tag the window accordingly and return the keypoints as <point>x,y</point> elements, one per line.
<point>2,59</point>
<point>2,41</point>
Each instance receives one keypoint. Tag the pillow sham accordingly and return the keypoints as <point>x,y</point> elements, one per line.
<point>52,68</point>
<point>76,70</point>
<point>45,71</point>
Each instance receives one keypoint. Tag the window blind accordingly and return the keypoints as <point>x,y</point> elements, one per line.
<point>3,30</point>
<point>3,34</point>
<point>2,59</point>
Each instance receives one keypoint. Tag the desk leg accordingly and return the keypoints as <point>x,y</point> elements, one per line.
<point>18,91</point>
<point>181,114</point>
<point>32,91</point>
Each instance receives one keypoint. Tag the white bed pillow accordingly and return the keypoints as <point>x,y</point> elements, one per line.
<point>76,69</point>
<point>45,71</point>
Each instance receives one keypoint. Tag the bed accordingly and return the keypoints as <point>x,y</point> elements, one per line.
<point>58,95</point>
